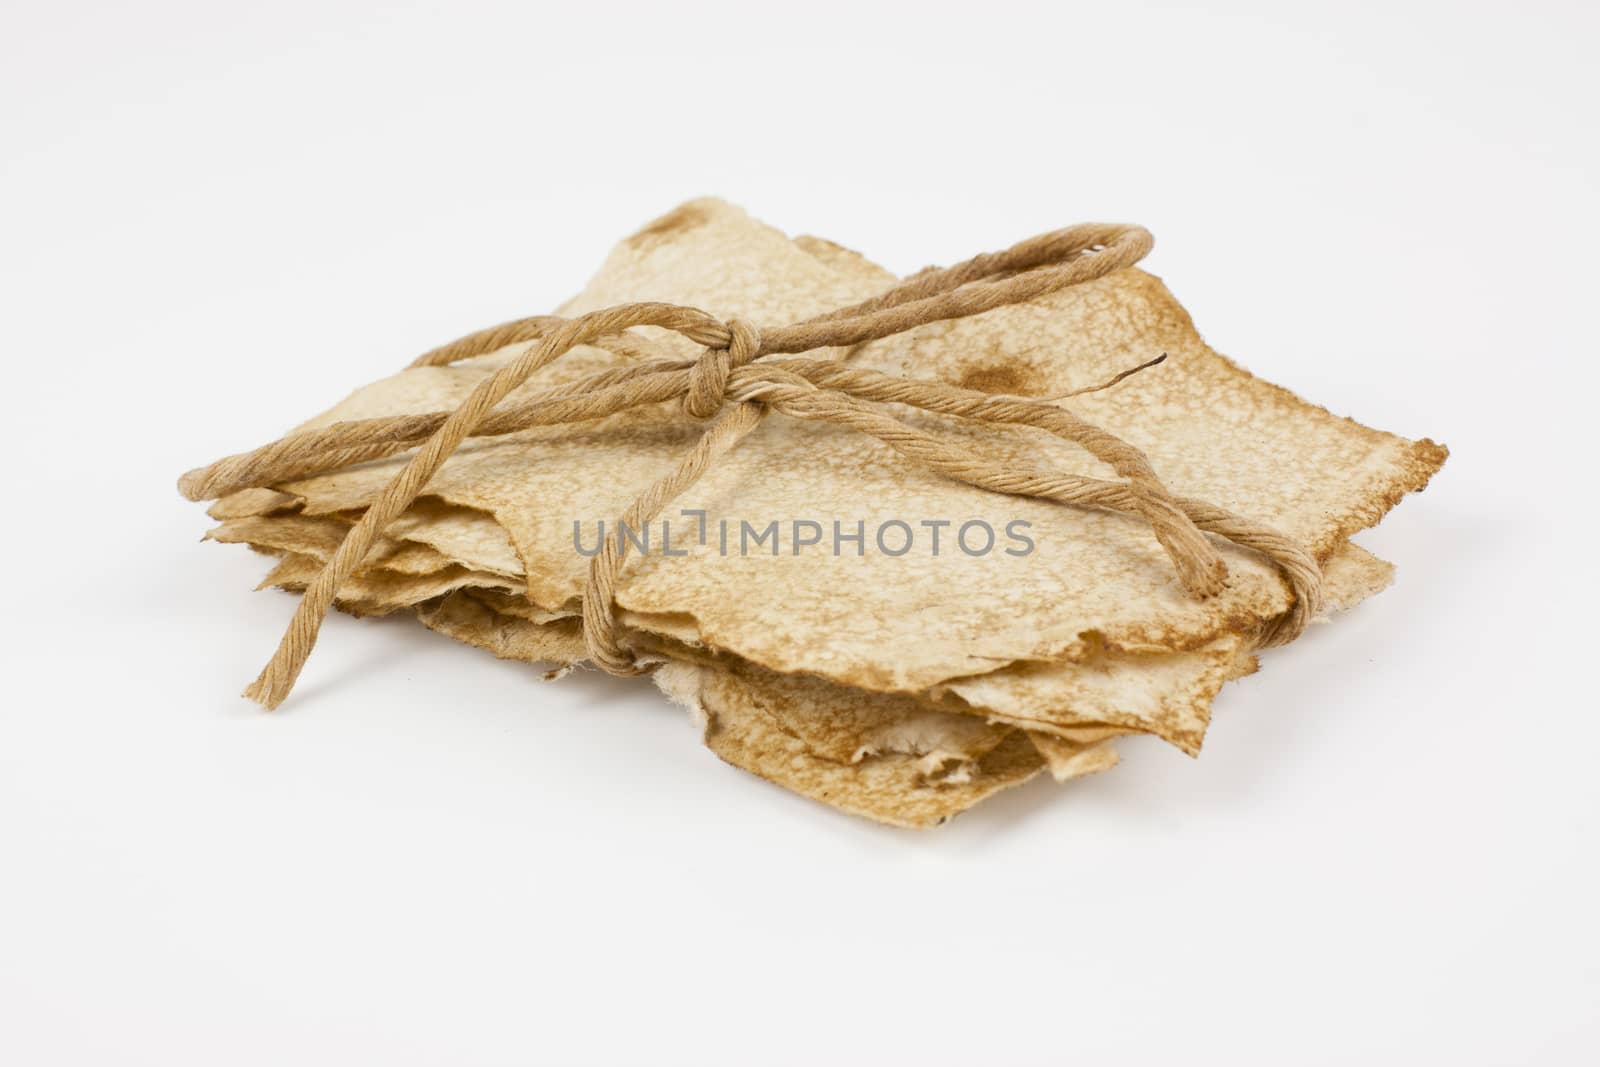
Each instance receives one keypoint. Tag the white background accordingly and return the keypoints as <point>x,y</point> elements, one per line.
<point>218,218</point>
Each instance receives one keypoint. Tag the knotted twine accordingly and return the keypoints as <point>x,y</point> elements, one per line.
<point>734,386</point>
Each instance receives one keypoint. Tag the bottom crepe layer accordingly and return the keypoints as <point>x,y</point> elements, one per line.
<point>906,760</point>
<point>444,548</point>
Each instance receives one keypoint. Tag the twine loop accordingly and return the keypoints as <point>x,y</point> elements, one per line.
<point>735,383</point>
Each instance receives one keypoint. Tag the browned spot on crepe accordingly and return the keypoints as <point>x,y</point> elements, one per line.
<point>684,217</point>
<point>997,378</point>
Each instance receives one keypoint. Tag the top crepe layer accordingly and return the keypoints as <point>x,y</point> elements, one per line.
<point>1097,581</point>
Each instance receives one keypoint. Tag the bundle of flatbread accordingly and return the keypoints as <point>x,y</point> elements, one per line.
<point>864,631</point>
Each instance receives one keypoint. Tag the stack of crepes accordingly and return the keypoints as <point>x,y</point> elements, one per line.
<point>904,686</point>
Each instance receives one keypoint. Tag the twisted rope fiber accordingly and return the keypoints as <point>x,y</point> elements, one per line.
<point>733,386</point>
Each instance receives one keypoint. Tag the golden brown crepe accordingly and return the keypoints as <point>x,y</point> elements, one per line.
<point>910,622</point>
<point>934,678</point>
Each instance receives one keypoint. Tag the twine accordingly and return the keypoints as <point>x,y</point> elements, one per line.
<point>734,387</point>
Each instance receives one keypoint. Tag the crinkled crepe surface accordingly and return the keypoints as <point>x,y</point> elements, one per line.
<point>910,622</point>
<point>1009,664</point>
